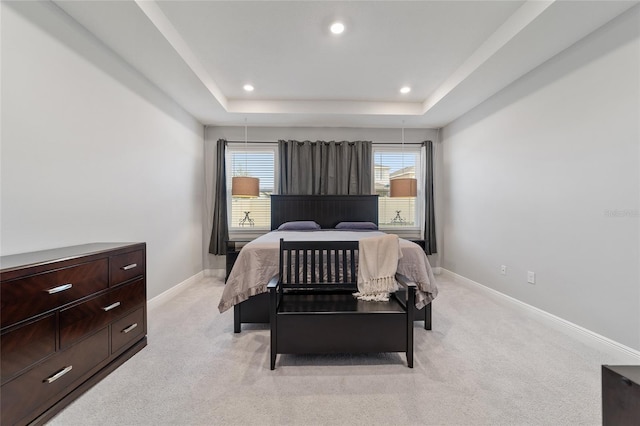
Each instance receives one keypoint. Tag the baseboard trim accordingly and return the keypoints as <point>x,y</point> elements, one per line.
<point>566,325</point>
<point>436,270</point>
<point>171,293</point>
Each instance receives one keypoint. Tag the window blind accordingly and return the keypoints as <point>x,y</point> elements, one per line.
<point>256,161</point>
<point>391,162</point>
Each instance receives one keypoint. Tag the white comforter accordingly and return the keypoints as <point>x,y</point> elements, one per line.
<point>257,263</point>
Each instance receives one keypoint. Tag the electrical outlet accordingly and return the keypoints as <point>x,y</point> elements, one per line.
<point>503,270</point>
<point>531,277</point>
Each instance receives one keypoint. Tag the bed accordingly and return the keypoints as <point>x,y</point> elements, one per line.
<point>246,287</point>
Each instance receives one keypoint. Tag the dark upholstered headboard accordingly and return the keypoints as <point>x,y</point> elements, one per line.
<point>327,210</point>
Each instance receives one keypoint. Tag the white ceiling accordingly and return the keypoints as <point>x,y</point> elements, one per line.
<point>453,54</point>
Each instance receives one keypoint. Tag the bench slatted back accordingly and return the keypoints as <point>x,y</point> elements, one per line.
<point>318,265</point>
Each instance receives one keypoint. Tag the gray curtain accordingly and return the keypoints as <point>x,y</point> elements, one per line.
<point>429,216</point>
<point>325,168</point>
<point>220,230</point>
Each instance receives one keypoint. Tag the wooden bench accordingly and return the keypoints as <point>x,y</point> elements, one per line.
<point>313,311</point>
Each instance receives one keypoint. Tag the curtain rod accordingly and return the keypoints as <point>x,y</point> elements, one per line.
<point>374,143</point>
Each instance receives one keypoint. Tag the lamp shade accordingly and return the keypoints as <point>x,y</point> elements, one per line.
<point>403,187</point>
<point>245,186</point>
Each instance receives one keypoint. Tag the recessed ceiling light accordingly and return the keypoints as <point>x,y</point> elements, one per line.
<point>248,87</point>
<point>405,89</point>
<point>337,28</point>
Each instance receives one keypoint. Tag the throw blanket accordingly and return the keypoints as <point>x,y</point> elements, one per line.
<point>377,265</point>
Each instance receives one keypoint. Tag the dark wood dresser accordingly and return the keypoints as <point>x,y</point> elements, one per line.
<point>69,317</point>
<point>620,395</point>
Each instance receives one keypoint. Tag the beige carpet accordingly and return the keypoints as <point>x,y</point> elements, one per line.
<point>486,362</point>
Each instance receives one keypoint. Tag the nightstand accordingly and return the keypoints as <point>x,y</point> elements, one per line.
<point>419,242</point>
<point>233,250</point>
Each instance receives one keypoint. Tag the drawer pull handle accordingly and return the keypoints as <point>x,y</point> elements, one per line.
<point>126,268</point>
<point>60,288</point>
<point>111,306</point>
<point>59,374</point>
<point>131,327</point>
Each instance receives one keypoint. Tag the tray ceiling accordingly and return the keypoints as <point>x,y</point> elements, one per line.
<point>453,54</point>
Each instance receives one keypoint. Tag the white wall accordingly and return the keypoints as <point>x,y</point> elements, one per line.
<point>91,151</point>
<point>273,134</point>
<point>531,178</point>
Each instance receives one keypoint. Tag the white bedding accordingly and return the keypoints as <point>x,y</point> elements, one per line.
<point>257,263</point>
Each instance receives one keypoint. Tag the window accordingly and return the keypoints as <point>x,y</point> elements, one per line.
<point>255,160</point>
<point>260,160</point>
<point>389,162</point>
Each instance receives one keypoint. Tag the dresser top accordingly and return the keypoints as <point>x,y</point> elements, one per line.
<point>631,372</point>
<point>43,257</point>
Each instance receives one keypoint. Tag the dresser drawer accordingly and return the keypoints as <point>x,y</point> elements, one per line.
<point>126,266</point>
<point>26,345</point>
<point>38,385</point>
<point>26,297</point>
<point>80,320</point>
<point>127,330</point>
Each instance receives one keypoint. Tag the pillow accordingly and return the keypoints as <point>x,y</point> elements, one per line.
<point>299,225</point>
<point>356,225</point>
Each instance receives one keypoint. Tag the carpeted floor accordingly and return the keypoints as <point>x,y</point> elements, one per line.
<point>486,362</point>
